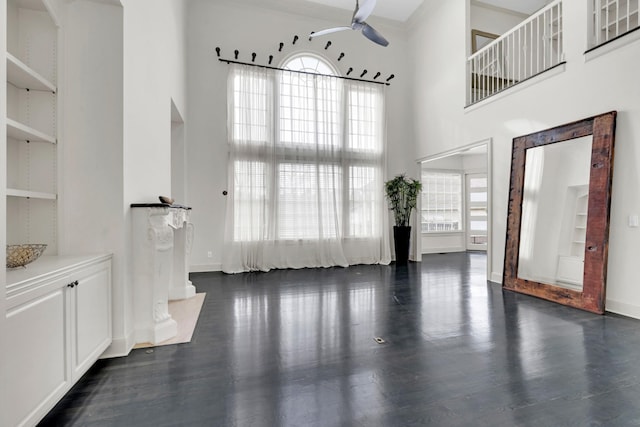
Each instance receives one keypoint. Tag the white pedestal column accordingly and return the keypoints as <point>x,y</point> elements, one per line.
<point>181,286</point>
<point>153,252</point>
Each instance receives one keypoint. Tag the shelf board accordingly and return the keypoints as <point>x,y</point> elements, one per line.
<point>21,75</point>
<point>14,192</point>
<point>23,132</point>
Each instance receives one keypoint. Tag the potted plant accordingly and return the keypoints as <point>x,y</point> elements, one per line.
<point>402,194</point>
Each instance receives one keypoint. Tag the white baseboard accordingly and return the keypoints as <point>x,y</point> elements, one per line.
<point>203,268</point>
<point>622,308</point>
<point>496,277</point>
<point>442,250</point>
<point>119,347</point>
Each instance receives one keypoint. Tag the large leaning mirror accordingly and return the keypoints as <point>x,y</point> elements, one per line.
<point>558,217</point>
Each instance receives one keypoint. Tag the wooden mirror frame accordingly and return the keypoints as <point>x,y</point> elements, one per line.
<point>592,296</point>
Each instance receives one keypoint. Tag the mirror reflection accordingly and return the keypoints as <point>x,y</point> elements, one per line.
<point>554,213</point>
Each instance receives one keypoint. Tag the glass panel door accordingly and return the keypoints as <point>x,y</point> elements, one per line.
<point>476,207</point>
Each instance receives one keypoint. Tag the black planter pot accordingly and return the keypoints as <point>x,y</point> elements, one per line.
<point>401,239</point>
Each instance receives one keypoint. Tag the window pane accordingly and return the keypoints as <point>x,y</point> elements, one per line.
<point>250,201</point>
<point>478,183</point>
<point>250,109</point>
<point>308,207</point>
<point>364,202</point>
<point>478,225</point>
<point>441,201</point>
<point>478,197</point>
<point>364,119</point>
<point>309,111</point>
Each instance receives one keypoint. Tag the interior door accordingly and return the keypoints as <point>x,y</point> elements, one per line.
<point>476,211</point>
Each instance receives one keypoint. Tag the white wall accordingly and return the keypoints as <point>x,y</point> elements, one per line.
<point>492,19</point>
<point>124,64</point>
<point>154,72</point>
<point>92,211</point>
<point>581,89</point>
<point>154,75</point>
<point>231,26</point>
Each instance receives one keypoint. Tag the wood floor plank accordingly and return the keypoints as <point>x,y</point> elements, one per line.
<point>297,348</point>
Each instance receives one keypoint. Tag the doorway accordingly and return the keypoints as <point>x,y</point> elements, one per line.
<point>472,163</point>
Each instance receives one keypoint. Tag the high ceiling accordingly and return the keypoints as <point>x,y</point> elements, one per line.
<point>401,10</point>
<point>396,10</point>
<point>528,7</point>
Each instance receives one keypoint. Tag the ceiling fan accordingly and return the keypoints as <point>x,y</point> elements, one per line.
<point>358,23</point>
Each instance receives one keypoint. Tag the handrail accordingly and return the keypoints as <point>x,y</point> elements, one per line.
<point>517,27</point>
<point>530,48</point>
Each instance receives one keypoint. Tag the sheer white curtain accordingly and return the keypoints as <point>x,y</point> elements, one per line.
<point>306,158</point>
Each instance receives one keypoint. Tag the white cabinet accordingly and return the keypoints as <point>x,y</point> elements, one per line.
<point>58,323</point>
<point>32,123</point>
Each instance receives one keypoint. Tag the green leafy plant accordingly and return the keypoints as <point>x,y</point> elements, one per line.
<point>402,194</point>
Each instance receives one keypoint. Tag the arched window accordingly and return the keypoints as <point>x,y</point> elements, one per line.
<point>306,160</point>
<point>309,64</point>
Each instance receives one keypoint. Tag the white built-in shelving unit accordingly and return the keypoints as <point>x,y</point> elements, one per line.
<point>61,302</point>
<point>32,124</point>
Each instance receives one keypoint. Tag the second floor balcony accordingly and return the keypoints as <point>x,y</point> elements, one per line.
<point>536,45</point>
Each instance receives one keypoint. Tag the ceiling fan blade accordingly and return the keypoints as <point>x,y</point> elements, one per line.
<point>370,33</point>
<point>364,10</point>
<point>329,31</point>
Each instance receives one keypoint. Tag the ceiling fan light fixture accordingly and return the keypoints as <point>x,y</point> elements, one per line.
<point>358,23</point>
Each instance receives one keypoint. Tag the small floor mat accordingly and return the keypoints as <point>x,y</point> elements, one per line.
<point>185,312</point>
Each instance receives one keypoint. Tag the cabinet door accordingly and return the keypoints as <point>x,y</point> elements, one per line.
<point>36,357</point>
<point>91,326</point>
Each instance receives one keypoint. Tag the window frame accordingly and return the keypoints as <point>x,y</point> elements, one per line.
<point>462,225</point>
<point>347,160</point>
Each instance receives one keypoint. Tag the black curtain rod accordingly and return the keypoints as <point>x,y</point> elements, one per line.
<point>230,61</point>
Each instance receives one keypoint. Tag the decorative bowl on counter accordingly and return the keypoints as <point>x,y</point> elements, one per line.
<point>21,255</point>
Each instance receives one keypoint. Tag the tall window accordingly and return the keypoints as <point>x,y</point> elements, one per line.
<point>307,155</point>
<point>441,201</point>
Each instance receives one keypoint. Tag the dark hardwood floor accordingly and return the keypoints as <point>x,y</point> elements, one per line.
<point>297,348</point>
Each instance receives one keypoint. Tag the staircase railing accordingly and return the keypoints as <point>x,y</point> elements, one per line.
<point>612,18</point>
<point>530,48</point>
